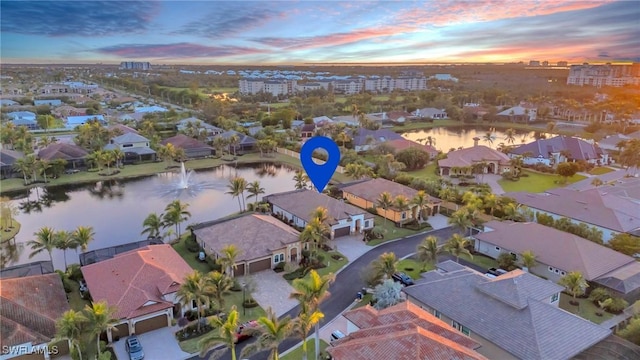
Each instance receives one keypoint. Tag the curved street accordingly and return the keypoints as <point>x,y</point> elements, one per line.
<point>348,283</point>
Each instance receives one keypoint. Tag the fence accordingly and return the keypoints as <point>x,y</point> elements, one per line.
<point>94,256</point>
<point>296,155</point>
<point>34,268</point>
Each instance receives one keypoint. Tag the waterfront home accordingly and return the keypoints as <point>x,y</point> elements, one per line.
<point>559,149</point>
<point>462,162</point>
<point>135,147</point>
<point>402,144</point>
<point>519,113</point>
<point>193,148</point>
<point>8,159</point>
<point>244,145</point>
<point>199,125</point>
<point>430,113</point>
<point>74,154</point>
<point>365,139</point>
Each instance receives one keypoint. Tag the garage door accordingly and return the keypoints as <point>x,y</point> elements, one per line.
<point>239,271</point>
<point>121,331</point>
<point>342,231</point>
<point>154,323</point>
<point>259,265</point>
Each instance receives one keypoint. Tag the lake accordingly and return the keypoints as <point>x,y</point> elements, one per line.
<point>455,137</point>
<point>116,209</point>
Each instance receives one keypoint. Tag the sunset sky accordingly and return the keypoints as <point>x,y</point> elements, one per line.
<point>295,32</point>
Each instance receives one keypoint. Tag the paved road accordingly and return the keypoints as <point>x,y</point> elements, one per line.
<point>348,283</point>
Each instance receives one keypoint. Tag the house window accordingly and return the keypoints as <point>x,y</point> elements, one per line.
<point>366,223</point>
<point>555,297</point>
<point>550,269</point>
<point>497,248</point>
<point>194,305</point>
<point>404,215</point>
<point>461,328</point>
<point>278,258</point>
<point>563,273</point>
<point>437,314</point>
<point>557,271</point>
<point>127,145</point>
<point>281,257</point>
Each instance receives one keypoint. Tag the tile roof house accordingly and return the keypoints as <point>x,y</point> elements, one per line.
<point>193,148</point>
<point>558,253</point>
<point>68,110</point>
<point>552,151</point>
<point>73,121</point>
<point>30,307</point>
<point>245,142</point>
<point>365,139</point>
<point>263,240</point>
<point>7,159</point>
<point>141,284</point>
<point>307,130</point>
<point>365,194</point>
<point>431,113</point>
<point>123,129</point>
<point>74,154</point>
<point>295,207</point>
<point>519,113</point>
<point>459,162</point>
<point>514,316</point>
<point>398,117</point>
<point>402,144</point>
<point>202,126</point>
<point>609,212</point>
<point>403,331</point>
<point>134,146</point>
<point>24,118</point>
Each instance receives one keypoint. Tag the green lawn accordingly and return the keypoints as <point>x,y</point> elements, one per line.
<point>390,231</point>
<point>365,300</point>
<point>13,230</point>
<point>428,172</point>
<point>223,90</point>
<point>76,302</point>
<point>332,265</point>
<point>426,125</point>
<point>296,354</point>
<point>600,170</point>
<point>586,309</point>
<point>190,257</point>
<point>536,182</point>
<point>480,260</point>
<point>191,345</point>
<point>415,266</point>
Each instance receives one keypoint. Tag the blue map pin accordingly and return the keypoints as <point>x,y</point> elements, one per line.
<point>320,174</point>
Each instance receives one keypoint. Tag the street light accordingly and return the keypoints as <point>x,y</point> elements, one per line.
<point>244,299</point>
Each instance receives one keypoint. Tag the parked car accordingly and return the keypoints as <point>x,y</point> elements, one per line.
<point>402,278</point>
<point>134,348</point>
<point>337,335</point>
<point>496,272</point>
<point>242,334</point>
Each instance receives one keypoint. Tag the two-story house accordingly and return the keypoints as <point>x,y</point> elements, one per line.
<point>135,147</point>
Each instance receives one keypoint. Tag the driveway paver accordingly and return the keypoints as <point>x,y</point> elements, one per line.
<point>438,221</point>
<point>351,246</point>
<point>272,290</point>
<point>157,344</point>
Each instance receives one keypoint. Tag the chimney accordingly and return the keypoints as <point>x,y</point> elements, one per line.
<point>475,141</point>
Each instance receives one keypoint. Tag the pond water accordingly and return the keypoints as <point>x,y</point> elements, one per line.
<point>116,209</point>
<point>455,137</point>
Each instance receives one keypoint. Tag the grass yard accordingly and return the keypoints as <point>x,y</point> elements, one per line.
<point>586,309</point>
<point>391,232</point>
<point>428,172</point>
<point>600,170</point>
<point>364,302</point>
<point>480,260</point>
<point>415,266</point>
<point>332,265</point>
<point>76,302</point>
<point>536,182</point>
<point>190,257</point>
<point>223,90</point>
<point>13,230</point>
<point>296,353</point>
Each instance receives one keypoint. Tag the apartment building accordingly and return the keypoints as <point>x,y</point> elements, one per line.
<point>274,87</point>
<point>604,75</point>
<point>135,65</point>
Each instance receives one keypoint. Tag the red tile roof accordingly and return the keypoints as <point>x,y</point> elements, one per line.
<point>134,278</point>
<point>471,155</point>
<point>185,142</point>
<point>30,307</point>
<point>401,144</point>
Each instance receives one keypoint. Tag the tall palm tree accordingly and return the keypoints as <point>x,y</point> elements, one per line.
<point>312,291</point>
<point>315,232</point>
<point>386,264</point>
<point>70,327</point>
<point>385,201</point>
<point>489,137</point>
<point>402,204</point>
<point>152,225</point>
<point>100,318</point>
<point>221,285</point>
<point>64,241</point>
<point>510,136</point>
<point>22,165</point>
<point>574,283</point>
<point>490,201</point>
<point>420,200</point>
<point>428,250</point>
<point>175,214</point>
<point>303,324</point>
<point>271,333</point>
<point>461,218</point>
<point>236,187</point>
<point>320,213</point>
<point>226,336</point>
<point>301,180</point>
<point>254,190</point>
<point>43,167</point>
<point>195,288</point>
<point>227,259</point>
<point>118,155</point>
<point>45,240</point>
<point>456,246</point>
<point>82,236</point>
<point>528,259</point>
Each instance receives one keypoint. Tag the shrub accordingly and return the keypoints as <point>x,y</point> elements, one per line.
<point>615,305</point>
<point>296,274</point>
<point>506,261</point>
<point>191,244</point>
<point>404,179</point>
<point>74,273</point>
<point>336,257</point>
<point>372,210</point>
<point>599,294</point>
<point>279,267</point>
<point>250,303</point>
<point>66,282</point>
<point>191,331</point>
<point>236,286</point>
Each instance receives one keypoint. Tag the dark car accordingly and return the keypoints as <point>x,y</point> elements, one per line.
<point>496,272</point>
<point>402,278</point>
<point>134,348</point>
<point>242,333</point>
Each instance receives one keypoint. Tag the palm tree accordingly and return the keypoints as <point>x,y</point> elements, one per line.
<point>227,259</point>
<point>226,335</point>
<point>402,204</point>
<point>321,214</point>
<point>220,286</point>
<point>489,137</point>
<point>528,259</point>
<point>575,284</point>
<point>428,250</point>
<point>254,190</point>
<point>385,201</point>
<point>195,288</point>
<point>271,333</point>
<point>64,241</point>
<point>456,246</point>
<point>175,214</point>
<point>301,180</point>
<point>314,232</point>
<point>45,240</point>
<point>312,291</point>
<point>100,318</point>
<point>82,236</point>
<point>510,136</point>
<point>118,155</point>
<point>490,201</point>
<point>70,327</point>
<point>152,225</point>
<point>386,265</point>
<point>22,165</point>
<point>303,324</point>
<point>236,189</point>
<point>43,167</point>
<point>420,200</point>
<point>461,218</point>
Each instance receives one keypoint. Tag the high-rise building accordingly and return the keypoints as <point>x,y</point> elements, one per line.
<point>135,65</point>
<point>604,75</point>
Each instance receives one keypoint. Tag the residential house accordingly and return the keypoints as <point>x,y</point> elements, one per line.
<point>30,307</point>
<point>558,253</point>
<point>244,145</point>
<point>307,131</point>
<point>123,129</point>
<point>348,120</point>
<point>365,194</point>
<point>142,285</point>
<point>462,162</point>
<point>8,159</point>
<point>68,110</point>
<point>137,117</point>
<point>610,213</point>
<point>199,125</point>
<point>295,207</point>
<point>48,102</point>
<point>193,148</point>
<point>610,143</point>
<point>263,240</point>
<point>430,113</point>
<point>402,144</point>
<point>150,109</point>
<point>559,149</point>
<point>74,154</point>
<point>321,121</point>
<point>23,118</point>
<point>520,113</point>
<point>135,147</point>
<point>398,117</point>
<point>73,121</point>
<point>513,316</point>
<point>8,102</point>
<point>365,139</point>
<point>402,331</point>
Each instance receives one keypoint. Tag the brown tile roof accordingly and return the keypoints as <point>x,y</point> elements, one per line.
<point>124,129</point>
<point>371,189</point>
<point>401,144</point>
<point>555,248</point>
<point>185,142</point>
<point>131,279</point>
<point>30,307</point>
<point>302,203</point>
<point>62,151</point>
<point>256,235</point>
<point>471,155</point>
<point>403,331</point>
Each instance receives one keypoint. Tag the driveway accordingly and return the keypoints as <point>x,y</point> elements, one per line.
<point>492,180</point>
<point>272,290</point>
<point>157,344</point>
<point>438,221</point>
<point>351,246</point>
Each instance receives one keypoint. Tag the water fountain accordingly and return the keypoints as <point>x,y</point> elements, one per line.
<point>183,182</point>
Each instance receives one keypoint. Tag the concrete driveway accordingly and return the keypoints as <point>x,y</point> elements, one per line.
<point>157,344</point>
<point>351,246</point>
<point>272,290</point>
